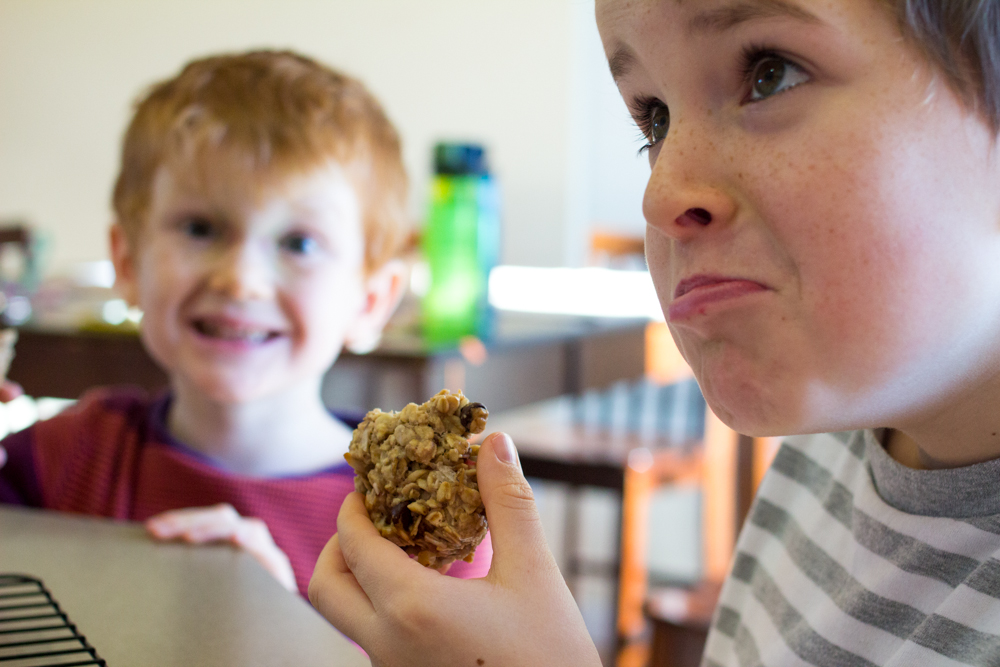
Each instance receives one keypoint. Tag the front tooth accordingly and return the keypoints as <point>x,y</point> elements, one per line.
<point>232,333</point>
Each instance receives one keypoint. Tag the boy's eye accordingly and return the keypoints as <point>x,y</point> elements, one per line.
<point>198,228</point>
<point>300,244</point>
<point>653,119</point>
<point>772,75</point>
<point>659,123</point>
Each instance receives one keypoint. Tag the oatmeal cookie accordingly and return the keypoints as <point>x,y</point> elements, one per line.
<point>417,472</point>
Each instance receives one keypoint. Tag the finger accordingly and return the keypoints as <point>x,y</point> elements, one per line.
<point>337,595</point>
<point>518,540</point>
<point>253,536</point>
<point>380,567</point>
<point>195,524</point>
<point>222,523</point>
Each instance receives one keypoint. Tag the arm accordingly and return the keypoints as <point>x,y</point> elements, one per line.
<point>404,614</point>
<point>8,392</point>
<point>19,482</point>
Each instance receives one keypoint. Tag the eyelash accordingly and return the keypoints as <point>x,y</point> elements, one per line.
<point>641,108</point>
<point>751,56</point>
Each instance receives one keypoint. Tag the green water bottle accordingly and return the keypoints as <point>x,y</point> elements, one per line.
<point>460,242</point>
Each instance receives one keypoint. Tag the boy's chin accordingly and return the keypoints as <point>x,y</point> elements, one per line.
<point>232,393</point>
<point>795,412</point>
<point>761,415</point>
<point>224,396</point>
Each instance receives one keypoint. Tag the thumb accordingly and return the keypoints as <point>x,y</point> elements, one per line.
<point>519,544</point>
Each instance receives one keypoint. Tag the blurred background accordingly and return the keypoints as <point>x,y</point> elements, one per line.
<point>577,363</point>
<point>525,78</point>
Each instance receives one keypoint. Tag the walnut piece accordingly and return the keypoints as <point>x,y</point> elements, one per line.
<point>417,472</point>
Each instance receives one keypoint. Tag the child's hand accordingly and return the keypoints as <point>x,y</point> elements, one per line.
<point>404,614</point>
<point>9,391</point>
<point>222,523</point>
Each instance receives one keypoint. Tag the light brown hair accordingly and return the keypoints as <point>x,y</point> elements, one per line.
<point>961,37</point>
<point>283,114</point>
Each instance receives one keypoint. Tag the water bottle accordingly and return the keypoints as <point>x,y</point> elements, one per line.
<point>461,243</point>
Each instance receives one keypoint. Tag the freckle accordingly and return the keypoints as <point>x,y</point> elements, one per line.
<point>994,433</point>
<point>480,661</point>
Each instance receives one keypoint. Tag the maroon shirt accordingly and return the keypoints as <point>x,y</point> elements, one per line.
<point>111,455</point>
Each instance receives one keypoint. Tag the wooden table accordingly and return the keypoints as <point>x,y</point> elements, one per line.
<point>163,605</point>
<point>528,358</point>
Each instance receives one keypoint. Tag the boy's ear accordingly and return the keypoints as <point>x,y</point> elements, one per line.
<point>384,289</point>
<point>122,256</point>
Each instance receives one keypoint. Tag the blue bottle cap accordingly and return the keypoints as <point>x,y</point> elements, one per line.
<point>454,159</point>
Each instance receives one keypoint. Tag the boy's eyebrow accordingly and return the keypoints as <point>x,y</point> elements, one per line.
<point>621,61</point>
<point>735,13</point>
<point>720,19</point>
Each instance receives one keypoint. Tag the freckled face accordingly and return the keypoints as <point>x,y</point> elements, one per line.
<point>823,217</point>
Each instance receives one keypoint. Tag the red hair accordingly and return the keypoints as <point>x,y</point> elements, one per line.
<point>282,114</point>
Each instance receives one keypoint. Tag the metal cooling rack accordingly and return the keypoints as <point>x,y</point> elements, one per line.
<point>34,631</point>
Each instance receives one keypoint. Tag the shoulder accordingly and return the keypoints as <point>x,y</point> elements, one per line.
<point>96,415</point>
<point>95,438</point>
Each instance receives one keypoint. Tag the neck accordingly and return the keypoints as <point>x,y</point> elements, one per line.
<point>290,433</point>
<point>961,431</point>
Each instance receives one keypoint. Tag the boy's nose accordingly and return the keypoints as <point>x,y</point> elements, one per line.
<point>684,197</point>
<point>242,274</point>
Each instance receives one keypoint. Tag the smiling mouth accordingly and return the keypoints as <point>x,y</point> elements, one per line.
<point>235,333</point>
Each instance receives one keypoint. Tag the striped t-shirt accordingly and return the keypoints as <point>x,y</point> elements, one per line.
<point>851,559</point>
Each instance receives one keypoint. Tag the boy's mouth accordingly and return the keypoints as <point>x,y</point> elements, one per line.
<point>240,333</point>
<point>694,294</point>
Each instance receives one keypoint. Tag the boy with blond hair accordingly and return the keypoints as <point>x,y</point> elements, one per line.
<point>823,230</point>
<point>260,220</point>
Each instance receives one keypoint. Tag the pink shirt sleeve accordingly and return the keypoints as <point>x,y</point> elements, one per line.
<point>480,564</point>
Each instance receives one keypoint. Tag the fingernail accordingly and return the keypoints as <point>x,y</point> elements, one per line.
<point>505,450</point>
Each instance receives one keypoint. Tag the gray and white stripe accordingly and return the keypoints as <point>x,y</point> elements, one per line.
<point>828,573</point>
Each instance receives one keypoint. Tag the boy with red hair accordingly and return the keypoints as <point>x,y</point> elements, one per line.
<point>260,217</point>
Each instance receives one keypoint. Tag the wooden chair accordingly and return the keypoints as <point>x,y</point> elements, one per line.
<point>555,446</point>
<point>727,467</point>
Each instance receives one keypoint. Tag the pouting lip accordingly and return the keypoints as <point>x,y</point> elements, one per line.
<point>702,280</point>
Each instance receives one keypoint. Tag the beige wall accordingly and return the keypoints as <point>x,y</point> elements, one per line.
<point>524,76</point>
